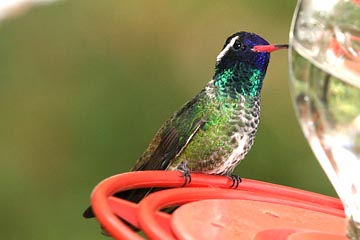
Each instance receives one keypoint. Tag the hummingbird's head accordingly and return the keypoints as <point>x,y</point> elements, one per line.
<point>241,65</point>
<point>246,48</point>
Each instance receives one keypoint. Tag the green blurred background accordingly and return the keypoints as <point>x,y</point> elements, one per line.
<point>84,85</point>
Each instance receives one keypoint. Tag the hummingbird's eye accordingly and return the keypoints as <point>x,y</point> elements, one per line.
<point>238,45</point>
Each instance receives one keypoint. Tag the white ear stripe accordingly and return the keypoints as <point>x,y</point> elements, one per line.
<point>223,52</point>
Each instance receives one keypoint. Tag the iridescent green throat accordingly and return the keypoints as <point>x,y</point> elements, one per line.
<point>240,79</point>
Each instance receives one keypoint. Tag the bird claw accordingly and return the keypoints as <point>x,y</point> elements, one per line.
<point>185,172</point>
<point>236,180</point>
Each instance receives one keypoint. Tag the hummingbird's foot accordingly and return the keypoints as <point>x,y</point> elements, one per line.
<point>185,172</point>
<point>236,180</point>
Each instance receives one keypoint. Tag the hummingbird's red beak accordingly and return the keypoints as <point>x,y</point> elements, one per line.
<point>269,48</point>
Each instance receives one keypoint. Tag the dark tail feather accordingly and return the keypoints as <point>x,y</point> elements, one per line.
<point>134,196</point>
<point>88,213</point>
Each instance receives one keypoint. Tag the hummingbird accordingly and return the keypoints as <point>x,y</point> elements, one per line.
<point>214,131</point>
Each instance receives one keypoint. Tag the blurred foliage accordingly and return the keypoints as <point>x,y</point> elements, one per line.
<point>85,85</point>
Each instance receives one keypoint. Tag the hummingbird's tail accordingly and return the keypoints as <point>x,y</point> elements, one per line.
<point>134,195</point>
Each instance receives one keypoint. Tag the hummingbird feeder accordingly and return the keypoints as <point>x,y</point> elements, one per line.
<point>208,209</point>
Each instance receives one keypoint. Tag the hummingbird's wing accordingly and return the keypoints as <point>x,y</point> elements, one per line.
<point>172,138</point>
<point>163,147</point>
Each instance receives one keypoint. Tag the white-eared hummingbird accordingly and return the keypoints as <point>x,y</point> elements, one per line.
<point>214,131</point>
